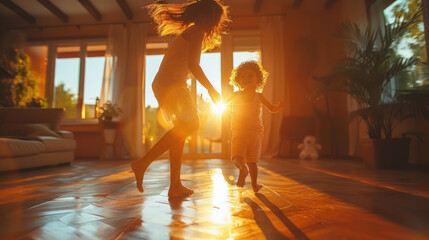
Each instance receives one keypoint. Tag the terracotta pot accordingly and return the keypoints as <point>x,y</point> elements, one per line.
<point>385,153</point>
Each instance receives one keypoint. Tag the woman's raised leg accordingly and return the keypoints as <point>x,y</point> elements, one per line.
<point>176,135</point>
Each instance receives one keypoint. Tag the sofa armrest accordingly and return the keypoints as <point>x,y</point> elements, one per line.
<point>66,134</point>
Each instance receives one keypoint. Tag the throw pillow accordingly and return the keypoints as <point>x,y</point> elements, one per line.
<point>36,129</point>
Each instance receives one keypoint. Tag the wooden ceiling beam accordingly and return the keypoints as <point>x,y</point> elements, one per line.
<point>329,3</point>
<point>125,9</point>
<point>91,9</point>
<point>18,10</point>
<point>297,3</point>
<point>257,6</point>
<point>54,9</point>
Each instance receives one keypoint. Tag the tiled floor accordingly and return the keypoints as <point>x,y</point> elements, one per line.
<point>324,199</point>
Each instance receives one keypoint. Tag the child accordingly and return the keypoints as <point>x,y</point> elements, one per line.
<point>247,130</point>
<point>198,25</point>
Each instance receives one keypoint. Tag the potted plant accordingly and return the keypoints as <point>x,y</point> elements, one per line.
<point>111,129</point>
<point>109,111</point>
<point>365,74</point>
<point>18,83</point>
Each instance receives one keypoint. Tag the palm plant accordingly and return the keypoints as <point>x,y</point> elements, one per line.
<point>366,73</point>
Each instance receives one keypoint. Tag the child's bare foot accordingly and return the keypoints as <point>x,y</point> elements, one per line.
<point>139,170</point>
<point>180,191</point>
<point>256,187</point>
<point>242,177</point>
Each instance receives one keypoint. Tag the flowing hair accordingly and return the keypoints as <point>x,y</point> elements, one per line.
<point>261,75</point>
<point>173,19</point>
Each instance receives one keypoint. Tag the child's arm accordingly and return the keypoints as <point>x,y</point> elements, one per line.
<point>195,36</point>
<point>269,106</point>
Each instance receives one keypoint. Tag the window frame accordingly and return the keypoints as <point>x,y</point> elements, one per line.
<point>50,71</point>
<point>380,21</point>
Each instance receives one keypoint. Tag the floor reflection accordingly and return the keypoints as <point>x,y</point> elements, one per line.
<point>98,200</point>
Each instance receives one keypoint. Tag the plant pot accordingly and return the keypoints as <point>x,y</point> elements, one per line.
<point>385,153</point>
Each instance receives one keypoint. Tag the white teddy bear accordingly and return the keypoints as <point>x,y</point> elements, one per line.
<point>309,148</point>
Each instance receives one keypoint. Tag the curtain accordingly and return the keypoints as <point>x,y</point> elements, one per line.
<point>123,82</point>
<point>272,52</point>
<point>115,62</point>
<point>131,98</point>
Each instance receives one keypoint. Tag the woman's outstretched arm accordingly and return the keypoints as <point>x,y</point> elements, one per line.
<point>195,36</point>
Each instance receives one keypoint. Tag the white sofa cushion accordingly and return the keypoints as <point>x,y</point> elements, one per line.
<point>11,147</point>
<point>53,144</point>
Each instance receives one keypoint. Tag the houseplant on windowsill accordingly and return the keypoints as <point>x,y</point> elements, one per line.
<point>365,74</point>
<point>109,111</point>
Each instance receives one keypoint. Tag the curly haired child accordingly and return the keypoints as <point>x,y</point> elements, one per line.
<point>246,125</point>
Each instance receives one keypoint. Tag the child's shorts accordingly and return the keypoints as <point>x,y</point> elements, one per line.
<point>177,105</point>
<point>247,146</point>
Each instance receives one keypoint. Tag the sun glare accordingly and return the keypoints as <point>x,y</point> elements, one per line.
<point>218,108</point>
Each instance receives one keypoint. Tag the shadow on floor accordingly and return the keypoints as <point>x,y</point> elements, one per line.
<point>298,234</point>
<point>406,209</point>
<point>263,221</point>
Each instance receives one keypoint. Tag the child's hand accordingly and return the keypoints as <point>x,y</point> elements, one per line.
<point>215,96</point>
<point>278,107</point>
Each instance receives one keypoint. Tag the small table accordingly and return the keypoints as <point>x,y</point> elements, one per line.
<point>111,134</point>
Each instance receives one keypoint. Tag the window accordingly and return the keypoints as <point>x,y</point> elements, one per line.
<point>211,140</point>
<point>78,78</point>
<point>39,61</point>
<point>412,44</point>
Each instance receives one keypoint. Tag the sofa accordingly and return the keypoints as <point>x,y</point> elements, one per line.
<point>30,137</point>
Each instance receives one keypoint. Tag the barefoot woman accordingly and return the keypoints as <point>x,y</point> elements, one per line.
<point>197,25</point>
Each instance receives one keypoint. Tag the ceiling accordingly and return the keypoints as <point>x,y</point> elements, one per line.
<point>39,13</point>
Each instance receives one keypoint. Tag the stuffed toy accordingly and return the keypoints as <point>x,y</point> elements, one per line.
<point>309,148</point>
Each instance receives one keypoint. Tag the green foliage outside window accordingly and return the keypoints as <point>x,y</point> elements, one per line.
<point>414,40</point>
<point>66,99</point>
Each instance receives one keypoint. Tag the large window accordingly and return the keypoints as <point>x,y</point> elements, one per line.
<point>211,140</point>
<point>78,78</point>
<point>208,138</point>
<point>412,44</point>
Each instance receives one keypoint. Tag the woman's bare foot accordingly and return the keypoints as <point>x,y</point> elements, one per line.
<point>256,187</point>
<point>180,191</point>
<point>139,170</point>
<point>242,177</point>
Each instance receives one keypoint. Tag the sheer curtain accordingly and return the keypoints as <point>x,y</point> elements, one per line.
<point>123,81</point>
<point>115,62</point>
<point>272,52</point>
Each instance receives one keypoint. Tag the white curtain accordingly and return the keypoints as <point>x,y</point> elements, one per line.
<point>131,98</point>
<point>115,62</point>
<point>272,52</point>
<point>123,82</point>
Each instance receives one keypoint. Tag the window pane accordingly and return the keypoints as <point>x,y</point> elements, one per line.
<point>39,58</point>
<point>94,71</point>
<point>210,132</point>
<point>412,44</point>
<point>153,126</point>
<point>67,84</point>
<point>239,57</point>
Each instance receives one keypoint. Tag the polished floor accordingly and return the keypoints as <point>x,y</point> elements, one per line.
<point>323,199</point>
